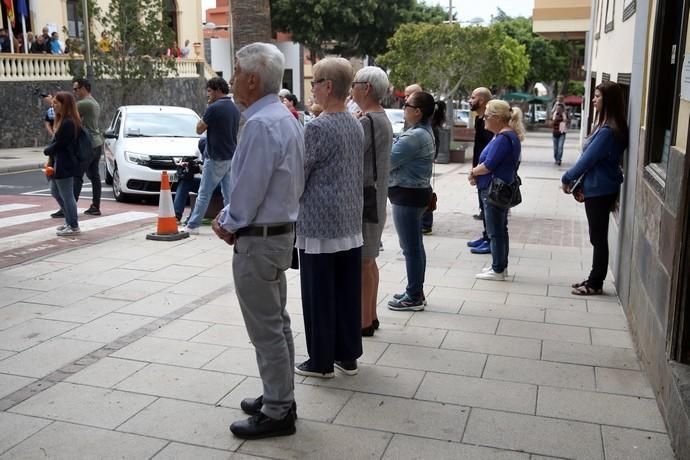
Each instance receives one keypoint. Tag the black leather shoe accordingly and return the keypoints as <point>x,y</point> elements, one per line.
<point>375,323</point>
<point>57,214</point>
<point>261,426</point>
<point>368,331</point>
<point>252,406</point>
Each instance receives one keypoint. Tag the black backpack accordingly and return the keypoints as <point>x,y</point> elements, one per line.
<point>84,147</point>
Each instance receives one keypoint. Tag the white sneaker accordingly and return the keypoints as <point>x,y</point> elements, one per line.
<point>61,227</point>
<point>491,276</point>
<point>191,231</point>
<point>488,269</point>
<point>68,231</point>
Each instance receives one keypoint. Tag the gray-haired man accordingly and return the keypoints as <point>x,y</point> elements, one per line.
<point>267,180</point>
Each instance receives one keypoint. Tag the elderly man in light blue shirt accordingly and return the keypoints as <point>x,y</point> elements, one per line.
<point>266,182</point>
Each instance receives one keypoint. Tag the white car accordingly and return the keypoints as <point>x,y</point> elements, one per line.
<point>142,141</point>
<point>462,117</point>
<point>396,117</point>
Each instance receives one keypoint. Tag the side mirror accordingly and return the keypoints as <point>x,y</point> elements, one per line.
<point>110,134</point>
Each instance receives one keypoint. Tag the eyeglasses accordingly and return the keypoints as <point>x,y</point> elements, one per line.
<point>316,82</point>
<point>405,105</point>
<point>356,82</point>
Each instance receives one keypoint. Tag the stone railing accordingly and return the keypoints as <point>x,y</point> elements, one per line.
<point>37,67</point>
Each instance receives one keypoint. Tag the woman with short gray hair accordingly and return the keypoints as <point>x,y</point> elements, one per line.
<point>368,88</point>
<point>329,227</point>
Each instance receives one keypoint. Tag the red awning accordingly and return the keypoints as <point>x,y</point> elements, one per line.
<point>572,100</point>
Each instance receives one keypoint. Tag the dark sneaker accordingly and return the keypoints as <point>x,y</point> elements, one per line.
<point>484,248</point>
<point>376,323</point>
<point>405,303</point>
<point>262,426</point>
<point>475,243</point>
<point>252,406</point>
<point>348,367</point>
<point>426,231</point>
<point>478,216</point>
<point>93,211</point>
<point>307,369</point>
<point>57,214</point>
<point>400,296</point>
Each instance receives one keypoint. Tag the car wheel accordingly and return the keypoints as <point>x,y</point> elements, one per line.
<point>117,187</point>
<point>108,176</point>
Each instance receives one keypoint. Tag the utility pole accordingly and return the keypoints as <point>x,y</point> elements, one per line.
<point>87,39</point>
<point>450,11</point>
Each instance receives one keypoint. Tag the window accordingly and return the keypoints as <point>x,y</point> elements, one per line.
<point>629,7</point>
<point>75,24</point>
<point>597,16</point>
<point>666,62</point>
<point>287,80</point>
<point>610,14</point>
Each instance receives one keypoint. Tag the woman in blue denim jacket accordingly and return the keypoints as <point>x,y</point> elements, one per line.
<point>500,158</point>
<point>600,165</point>
<point>409,190</point>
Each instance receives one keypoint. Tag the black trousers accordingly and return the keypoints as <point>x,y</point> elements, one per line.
<point>93,173</point>
<point>598,209</point>
<point>332,306</point>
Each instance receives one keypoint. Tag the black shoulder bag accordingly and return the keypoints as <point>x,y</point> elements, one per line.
<point>504,195</point>
<point>370,209</point>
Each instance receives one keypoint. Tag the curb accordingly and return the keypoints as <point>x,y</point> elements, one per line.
<point>21,168</point>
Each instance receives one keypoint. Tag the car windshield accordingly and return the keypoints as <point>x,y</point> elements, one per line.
<point>161,124</point>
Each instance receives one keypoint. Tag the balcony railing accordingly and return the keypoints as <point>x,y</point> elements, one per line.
<point>36,67</point>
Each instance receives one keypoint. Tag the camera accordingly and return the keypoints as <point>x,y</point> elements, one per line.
<point>188,167</point>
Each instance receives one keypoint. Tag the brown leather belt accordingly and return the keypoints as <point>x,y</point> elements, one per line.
<point>266,230</point>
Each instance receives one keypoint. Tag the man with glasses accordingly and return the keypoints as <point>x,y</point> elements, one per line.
<point>90,112</point>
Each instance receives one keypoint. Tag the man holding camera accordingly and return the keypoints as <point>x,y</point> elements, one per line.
<point>221,122</point>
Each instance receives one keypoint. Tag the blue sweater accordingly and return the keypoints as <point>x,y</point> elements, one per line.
<point>600,160</point>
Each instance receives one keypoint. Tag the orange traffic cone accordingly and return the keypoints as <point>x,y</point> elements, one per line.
<point>167,223</point>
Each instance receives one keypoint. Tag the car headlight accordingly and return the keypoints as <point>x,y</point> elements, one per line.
<point>137,158</point>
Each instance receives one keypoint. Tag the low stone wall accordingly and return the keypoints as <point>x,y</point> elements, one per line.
<point>22,111</point>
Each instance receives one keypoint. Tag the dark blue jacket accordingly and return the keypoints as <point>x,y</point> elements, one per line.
<point>600,160</point>
<point>63,151</point>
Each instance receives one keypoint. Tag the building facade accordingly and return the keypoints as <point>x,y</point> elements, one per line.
<point>643,46</point>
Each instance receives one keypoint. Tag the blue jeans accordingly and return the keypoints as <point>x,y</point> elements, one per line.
<point>408,225</point>
<point>428,219</point>
<point>63,192</point>
<point>214,173</point>
<point>558,142</point>
<point>497,228</point>
<point>182,194</point>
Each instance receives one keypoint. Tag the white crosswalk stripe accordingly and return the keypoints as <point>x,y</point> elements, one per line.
<point>16,206</point>
<point>15,241</point>
<point>27,218</point>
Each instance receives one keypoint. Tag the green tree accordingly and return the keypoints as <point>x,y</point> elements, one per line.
<point>352,28</point>
<point>448,58</point>
<point>139,38</point>
<point>550,60</point>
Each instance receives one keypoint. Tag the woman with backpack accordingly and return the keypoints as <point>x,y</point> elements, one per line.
<point>62,151</point>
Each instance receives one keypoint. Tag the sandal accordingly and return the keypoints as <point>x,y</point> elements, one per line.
<point>586,290</point>
<point>578,285</point>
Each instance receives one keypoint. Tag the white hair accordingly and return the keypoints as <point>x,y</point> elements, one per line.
<point>266,61</point>
<point>376,77</point>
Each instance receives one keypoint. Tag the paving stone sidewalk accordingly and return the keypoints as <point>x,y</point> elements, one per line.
<point>137,349</point>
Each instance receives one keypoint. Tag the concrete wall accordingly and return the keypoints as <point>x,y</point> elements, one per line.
<point>23,111</point>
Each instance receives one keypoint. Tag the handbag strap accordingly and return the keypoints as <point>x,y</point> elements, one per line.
<point>373,146</point>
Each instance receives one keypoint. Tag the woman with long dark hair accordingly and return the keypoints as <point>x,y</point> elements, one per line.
<point>62,151</point>
<point>409,190</point>
<point>599,168</point>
